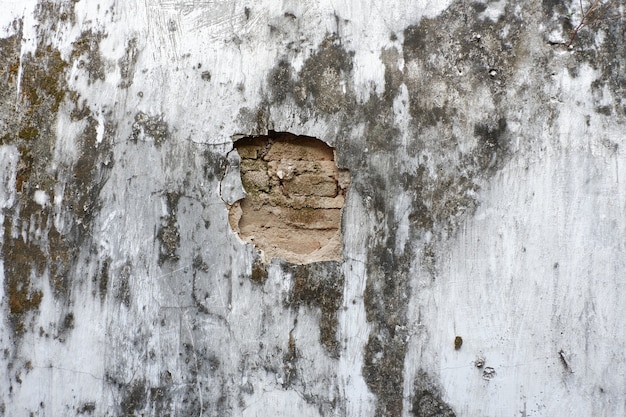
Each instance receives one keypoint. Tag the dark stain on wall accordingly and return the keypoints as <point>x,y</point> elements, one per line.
<point>320,285</point>
<point>213,166</point>
<point>21,261</point>
<point>90,173</point>
<point>86,53</point>
<point>134,399</point>
<point>153,127</point>
<point>87,408</point>
<point>281,81</point>
<point>121,284</point>
<point>128,62</point>
<point>610,59</point>
<point>492,144</point>
<point>41,94</point>
<point>324,81</point>
<point>445,183</point>
<point>46,248</point>
<point>427,401</point>
<point>169,235</point>
<point>55,13</point>
<point>102,278</point>
<point>258,273</point>
<point>386,301</point>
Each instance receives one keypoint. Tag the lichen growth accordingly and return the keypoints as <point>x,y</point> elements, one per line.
<point>146,126</point>
<point>86,52</point>
<point>322,81</point>
<point>28,133</point>
<point>21,261</point>
<point>427,401</point>
<point>31,128</point>
<point>128,63</point>
<point>258,274</point>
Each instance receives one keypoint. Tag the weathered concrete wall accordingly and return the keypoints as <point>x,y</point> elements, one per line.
<point>483,258</point>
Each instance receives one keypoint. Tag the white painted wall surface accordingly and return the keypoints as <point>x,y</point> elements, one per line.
<point>531,274</point>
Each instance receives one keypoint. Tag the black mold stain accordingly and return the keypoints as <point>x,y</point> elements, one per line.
<point>68,322</point>
<point>90,173</point>
<point>478,7</point>
<point>127,63</point>
<point>491,135</point>
<point>427,400</point>
<point>324,80</point>
<point>160,400</point>
<point>428,404</point>
<point>492,143</point>
<point>102,278</point>
<point>168,235</point>
<point>319,284</point>
<point>199,267</point>
<point>393,74</point>
<point>281,81</point>
<point>554,6</point>
<point>200,365</point>
<point>610,60</point>
<point>87,54</point>
<point>386,301</point>
<point>86,408</point>
<point>258,274</point>
<point>604,110</point>
<point>290,359</point>
<point>150,126</point>
<point>134,399</point>
<point>381,134</point>
<point>65,327</point>
<point>121,284</point>
<point>444,185</point>
<point>473,48</point>
<point>214,164</point>
<point>55,14</point>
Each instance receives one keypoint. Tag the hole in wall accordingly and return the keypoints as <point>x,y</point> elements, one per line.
<point>294,195</point>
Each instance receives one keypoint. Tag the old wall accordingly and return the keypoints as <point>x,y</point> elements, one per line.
<point>482,257</point>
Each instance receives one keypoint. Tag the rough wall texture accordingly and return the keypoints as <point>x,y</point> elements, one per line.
<point>294,193</point>
<point>481,270</point>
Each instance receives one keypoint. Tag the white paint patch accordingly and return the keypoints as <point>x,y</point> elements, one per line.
<point>100,128</point>
<point>494,10</point>
<point>369,74</point>
<point>9,158</point>
<point>403,207</point>
<point>401,114</point>
<point>41,197</point>
<point>353,331</point>
<point>290,403</point>
<point>15,9</point>
<point>533,284</point>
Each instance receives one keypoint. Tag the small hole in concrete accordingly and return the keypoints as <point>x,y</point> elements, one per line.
<point>294,196</point>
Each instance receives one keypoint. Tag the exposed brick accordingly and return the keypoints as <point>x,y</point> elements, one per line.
<point>295,193</point>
